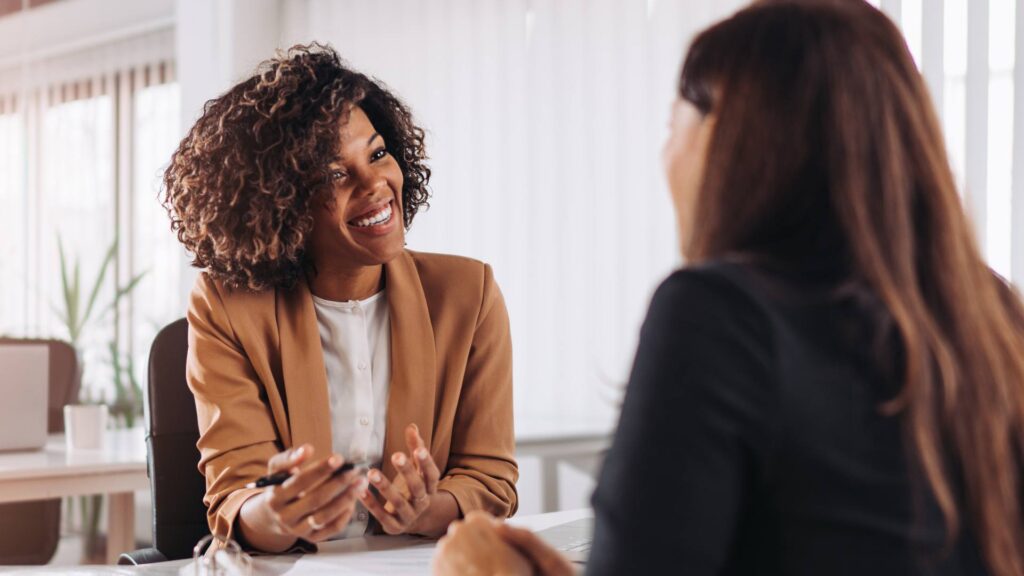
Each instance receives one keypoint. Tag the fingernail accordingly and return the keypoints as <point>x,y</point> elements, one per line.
<point>399,459</point>
<point>415,428</point>
<point>362,487</point>
<point>422,454</point>
<point>334,461</point>
<point>294,471</point>
<point>374,475</point>
<point>299,452</point>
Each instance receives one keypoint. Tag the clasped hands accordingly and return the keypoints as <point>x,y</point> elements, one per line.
<point>314,504</point>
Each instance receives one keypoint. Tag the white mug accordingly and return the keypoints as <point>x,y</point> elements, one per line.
<point>84,425</point>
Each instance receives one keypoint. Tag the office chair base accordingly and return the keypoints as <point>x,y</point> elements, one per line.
<point>141,556</point>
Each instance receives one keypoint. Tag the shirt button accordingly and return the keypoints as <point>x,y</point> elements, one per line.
<point>364,421</point>
<point>362,516</point>
<point>362,365</point>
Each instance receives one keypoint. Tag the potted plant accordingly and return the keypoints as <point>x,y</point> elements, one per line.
<point>78,313</point>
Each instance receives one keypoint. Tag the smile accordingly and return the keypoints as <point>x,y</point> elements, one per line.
<point>378,218</point>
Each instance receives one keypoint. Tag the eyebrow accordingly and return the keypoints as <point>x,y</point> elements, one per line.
<point>368,142</point>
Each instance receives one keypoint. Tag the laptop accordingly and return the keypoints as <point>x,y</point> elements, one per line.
<point>573,539</point>
<point>25,388</point>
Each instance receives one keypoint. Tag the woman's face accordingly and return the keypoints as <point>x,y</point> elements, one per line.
<point>363,226</point>
<point>684,157</point>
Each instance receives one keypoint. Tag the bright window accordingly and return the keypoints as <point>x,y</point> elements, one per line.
<point>1000,135</point>
<point>63,153</point>
<point>77,196</point>
<point>155,249</point>
<point>13,218</point>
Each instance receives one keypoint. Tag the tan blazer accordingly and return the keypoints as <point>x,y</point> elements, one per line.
<point>255,365</point>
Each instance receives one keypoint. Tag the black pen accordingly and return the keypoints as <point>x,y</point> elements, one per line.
<point>280,477</point>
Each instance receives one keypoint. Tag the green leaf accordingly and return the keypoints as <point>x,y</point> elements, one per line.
<point>60,314</point>
<point>73,304</point>
<point>115,361</point>
<point>123,291</point>
<point>98,284</point>
<point>137,409</point>
<point>65,285</point>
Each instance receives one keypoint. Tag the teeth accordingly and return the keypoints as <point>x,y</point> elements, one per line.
<point>379,218</point>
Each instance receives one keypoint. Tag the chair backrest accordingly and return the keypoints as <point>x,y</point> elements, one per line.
<point>179,515</point>
<point>65,379</point>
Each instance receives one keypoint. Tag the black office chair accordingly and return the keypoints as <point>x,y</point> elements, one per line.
<point>179,515</point>
<point>31,530</point>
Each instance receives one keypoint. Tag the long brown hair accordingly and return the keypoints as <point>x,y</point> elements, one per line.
<point>827,153</point>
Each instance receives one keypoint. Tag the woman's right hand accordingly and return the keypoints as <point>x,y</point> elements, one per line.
<point>311,505</point>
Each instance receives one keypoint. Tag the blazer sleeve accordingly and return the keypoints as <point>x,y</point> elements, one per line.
<point>482,470</point>
<point>237,435</point>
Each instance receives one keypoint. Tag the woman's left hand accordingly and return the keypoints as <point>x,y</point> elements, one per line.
<point>476,546</point>
<point>406,498</point>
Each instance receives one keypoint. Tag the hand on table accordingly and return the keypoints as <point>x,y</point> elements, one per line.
<point>473,546</point>
<point>482,545</point>
<point>312,504</point>
<point>545,559</point>
<point>405,499</point>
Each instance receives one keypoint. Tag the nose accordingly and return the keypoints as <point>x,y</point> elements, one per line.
<point>370,182</point>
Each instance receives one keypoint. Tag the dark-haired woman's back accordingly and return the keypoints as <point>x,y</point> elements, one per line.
<point>756,405</point>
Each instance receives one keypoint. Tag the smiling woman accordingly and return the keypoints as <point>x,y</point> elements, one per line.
<point>315,337</point>
<point>281,132</point>
<point>358,225</point>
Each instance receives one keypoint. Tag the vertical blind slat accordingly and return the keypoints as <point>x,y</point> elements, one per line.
<point>35,111</point>
<point>932,50</point>
<point>976,153</point>
<point>1017,222</point>
<point>128,81</point>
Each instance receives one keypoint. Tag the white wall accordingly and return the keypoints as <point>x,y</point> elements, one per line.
<point>60,27</point>
<point>219,43</point>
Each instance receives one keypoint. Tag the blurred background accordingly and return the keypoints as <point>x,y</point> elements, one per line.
<point>545,120</point>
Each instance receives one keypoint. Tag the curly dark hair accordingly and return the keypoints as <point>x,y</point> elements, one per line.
<point>242,185</point>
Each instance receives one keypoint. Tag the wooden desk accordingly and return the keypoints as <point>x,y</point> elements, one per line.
<point>117,470</point>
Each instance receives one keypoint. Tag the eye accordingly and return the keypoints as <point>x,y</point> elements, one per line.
<point>337,175</point>
<point>378,154</point>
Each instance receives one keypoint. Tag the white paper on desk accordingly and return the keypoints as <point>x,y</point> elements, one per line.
<point>406,563</point>
<point>227,565</point>
<point>372,555</point>
<point>391,555</point>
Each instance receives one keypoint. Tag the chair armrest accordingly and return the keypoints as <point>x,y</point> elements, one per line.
<point>141,556</point>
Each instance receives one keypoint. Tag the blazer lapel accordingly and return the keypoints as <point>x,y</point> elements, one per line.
<point>302,365</point>
<point>413,389</point>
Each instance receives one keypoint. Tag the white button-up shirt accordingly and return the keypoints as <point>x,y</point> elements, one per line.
<point>356,339</point>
